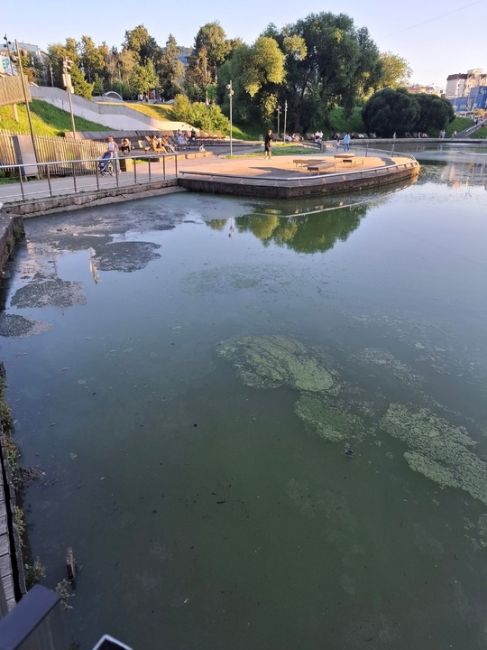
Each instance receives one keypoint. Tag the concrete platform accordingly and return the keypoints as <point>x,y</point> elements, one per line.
<point>280,177</point>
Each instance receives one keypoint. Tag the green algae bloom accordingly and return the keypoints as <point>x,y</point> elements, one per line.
<point>274,361</point>
<point>330,422</point>
<point>440,451</point>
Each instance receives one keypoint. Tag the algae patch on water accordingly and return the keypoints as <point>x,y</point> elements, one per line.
<point>440,451</point>
<point>331,422</point>
<point>274,361</point>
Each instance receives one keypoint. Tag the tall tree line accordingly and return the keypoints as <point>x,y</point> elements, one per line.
<point>314,64</point>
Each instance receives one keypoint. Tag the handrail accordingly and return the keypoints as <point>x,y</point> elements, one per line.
<point>97,160</point>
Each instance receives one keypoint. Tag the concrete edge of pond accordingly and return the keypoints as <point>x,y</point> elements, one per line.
<point>41,206</point>
<point>287,188</point>
<point>12,577</point>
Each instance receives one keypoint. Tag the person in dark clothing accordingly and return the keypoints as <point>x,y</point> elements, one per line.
<point>268,144</point>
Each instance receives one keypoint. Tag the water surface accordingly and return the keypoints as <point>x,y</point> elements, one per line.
<point>262,424</point>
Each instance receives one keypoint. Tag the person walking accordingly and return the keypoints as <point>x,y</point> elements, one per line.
<point>268,144</point>
<point>346,141</point>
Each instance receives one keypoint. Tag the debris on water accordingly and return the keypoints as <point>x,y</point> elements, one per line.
<point>72,455</point>
<point>273,361</point>
<point>437,449</point>
<point>349,452</point>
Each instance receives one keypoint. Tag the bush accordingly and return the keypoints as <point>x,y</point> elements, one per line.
<point>208,118</point>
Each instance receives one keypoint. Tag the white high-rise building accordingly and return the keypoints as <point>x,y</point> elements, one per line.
<point>459,85</point>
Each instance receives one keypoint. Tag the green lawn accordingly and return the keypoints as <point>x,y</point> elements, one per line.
<point>46,120</point>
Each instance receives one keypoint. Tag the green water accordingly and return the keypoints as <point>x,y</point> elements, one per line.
<point>262,424</point>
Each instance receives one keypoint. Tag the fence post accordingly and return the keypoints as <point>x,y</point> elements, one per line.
<point>97,177</point>
<point>150,175</point>
<point>176,163</point>
<point>135,172</point>
<point>164,167</point>
<point>116,159</point>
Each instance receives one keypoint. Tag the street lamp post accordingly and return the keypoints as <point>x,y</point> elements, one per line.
<point>285,121</point>
<point>27,107</point>
<point>230,95</point>
<point>278,120</point>
<point>7,45</point>
<point>67,65</point>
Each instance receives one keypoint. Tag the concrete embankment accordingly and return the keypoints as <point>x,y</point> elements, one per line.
<point>12,583</point>
<point>35,207</point>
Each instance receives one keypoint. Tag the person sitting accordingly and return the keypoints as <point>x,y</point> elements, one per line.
<point>125,146</point>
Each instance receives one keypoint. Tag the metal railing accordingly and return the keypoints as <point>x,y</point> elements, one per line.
<point>97,174</point>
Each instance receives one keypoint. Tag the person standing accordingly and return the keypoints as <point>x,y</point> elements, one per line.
<point>268,144</point>
<point>346,141</point>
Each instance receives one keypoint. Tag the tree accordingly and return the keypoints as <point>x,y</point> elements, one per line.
<point>171,70</point>
<point>144,78</point>
<point>93,58</point>
<point>391,111</point>
<point>332,63</point>
<point>81,87</point>
<point>256,72</point>
<point>395,71</point>
<point>435,113</point>
<point>212,39</point>
<point>142,44</point>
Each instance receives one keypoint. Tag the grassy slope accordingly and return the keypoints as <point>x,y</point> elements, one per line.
<point>157,111</point>
<point>458,124</point>
<point>481,133</point>
<point>46,120</point>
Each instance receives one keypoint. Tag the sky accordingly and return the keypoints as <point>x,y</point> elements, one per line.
<point>437,39</point>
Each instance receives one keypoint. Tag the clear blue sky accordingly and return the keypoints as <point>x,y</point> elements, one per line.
<point>436,38</point>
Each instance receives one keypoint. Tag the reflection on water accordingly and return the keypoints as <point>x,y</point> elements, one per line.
<point>262,424</point>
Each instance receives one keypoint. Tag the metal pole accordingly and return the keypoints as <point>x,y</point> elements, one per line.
<point>21,183</point>
<point>176,163</point>
<point>230,95</point>
<point>74,178</point>
<point>135,173</point>
<point>97,179</point>
<point>73,125</point>
<point>115,160</point>
<point>29,117</point>
<point>164,168</point>
<point>150,175</point>
<point>278,121</point>
<point>49,179</point>
<point>285,121</point>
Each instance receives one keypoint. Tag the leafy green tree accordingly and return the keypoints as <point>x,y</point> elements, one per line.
<point>256,72</point>
<point>391,111</point>
<point>212,39</point>
<point>144,78</point>
<point>142,44</point>
<point>395,71</point>
<point>93,58</point>
<point>435,113</point>
<point>81,87</point>
<point>341,65</point>
<point>171,70</point>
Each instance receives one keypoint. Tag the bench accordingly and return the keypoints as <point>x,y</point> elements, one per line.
<point>346,158</point>
<point>304,162</point>
<point>321,166</point>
